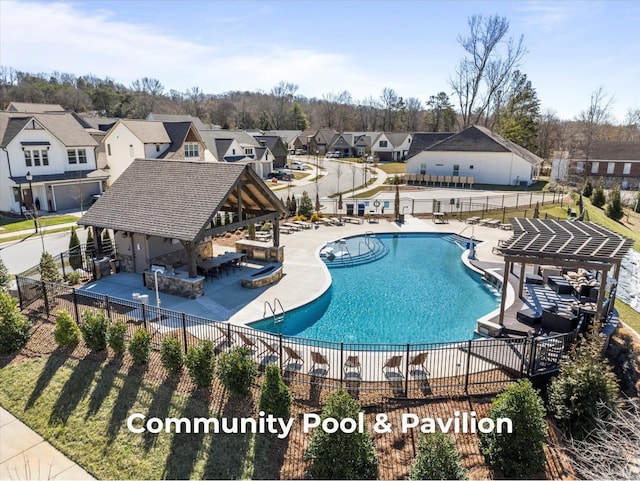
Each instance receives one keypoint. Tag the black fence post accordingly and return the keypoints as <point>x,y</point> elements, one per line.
<point>18,279</point>
<point>531,199</point>
<point>543,197</point>
<point>64,274</point>
<point>406,372</point>
<point>107,307</point>
<point>341,362</point>
<point>75,305</point>
<point>184,331</point>
<point>468,367</point>
<point>144,315</point>
<point>525,348</point>
<point>46,299</point>
<point>280,349</point>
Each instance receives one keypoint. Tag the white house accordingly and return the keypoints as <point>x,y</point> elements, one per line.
<point>47,161</point>
<point>236,146</point>
<point>131,139</point>
<point>392,146</point>
<point>479,153</point>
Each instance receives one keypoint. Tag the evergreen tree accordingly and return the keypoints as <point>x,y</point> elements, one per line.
<point>90,246</point>
<point>341,455</point>
<point>437,458</point>
<point>294,205</point>
<point>587,191</point>
<point>5,278</point>
<point>598,199</point>
<point>518,122</point>
<point>15,328</point>
<point>299,117</point>
<point>49,269</point>
<point>441,115</point>
<point>306,206</point>
<point>107,245</point>
<point>275,396</point>
<point>75,255</point>
<point>614,207</point>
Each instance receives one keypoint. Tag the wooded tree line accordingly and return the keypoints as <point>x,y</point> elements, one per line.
<point>488,88</point>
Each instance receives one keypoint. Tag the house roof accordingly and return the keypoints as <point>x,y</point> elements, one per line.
<point>99,123</point>
<point>178,199</point>
<point>423,140</point>
<point>26,107</point>
<point>148,131</point>
<point>610,150</point>
<point>177,132</point>
<point>270,141</point>
<point>480,139</point>
<point>286,135</point>
<point>177,118</point>
<point>61,125</point>
<point>396,138</point>
<point>69,175</point>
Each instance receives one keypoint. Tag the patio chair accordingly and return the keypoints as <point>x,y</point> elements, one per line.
<point>394,362</point>
<point>248,342</point>
<point>319,360</point>
<point>226,337</point>
<point>417,366</point>
<point>272,354</point>
<point>352,367</point>
<point>294,355</point>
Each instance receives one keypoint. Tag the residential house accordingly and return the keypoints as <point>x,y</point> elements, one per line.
<point>479,153</point>
<point>200,125</point>
<point>613,162</point>
<point>131,139</point>
<point>29,108</point>
<point>277,147</point>
<point>288,137</point>
<point>47,163</point>
<point>319,142</point>
<point>392,146</point>
<point>239,147</point>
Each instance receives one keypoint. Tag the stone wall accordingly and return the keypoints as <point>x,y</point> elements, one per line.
<point>179,284</point>
<point>629,282</point>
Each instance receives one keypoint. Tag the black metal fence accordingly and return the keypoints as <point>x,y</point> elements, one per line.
<point>401,370</point>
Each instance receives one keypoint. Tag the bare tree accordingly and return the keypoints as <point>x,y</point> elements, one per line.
<point>413,110</point>
<point>632,125</point>
<point>331,106</point>
<point>612,450</point>
<point>393,106</point>
<point>592,119</point>
<point>484,72</point>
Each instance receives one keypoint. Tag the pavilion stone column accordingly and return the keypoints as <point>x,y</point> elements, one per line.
<point>97,239</point>
<point>191,259</point>
<point>276,230</point>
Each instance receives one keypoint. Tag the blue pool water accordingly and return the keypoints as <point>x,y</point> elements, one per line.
<point>419,292</point>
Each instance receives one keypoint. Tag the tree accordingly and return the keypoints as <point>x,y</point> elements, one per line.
<point>396,204</point>
<point>598,199</point>
<point>107,245</point>
<point>614,208</point>
<point>591,120</point>
<point>393,106</point>
<point>341,455</point>
<point>49,269</point>
<point>75,255</point>
<point>66,332</point>
<point>440,116</point>
<point>275,396</point>
<point>413,109</point>
<point>485,71</point>
<point>437,458</point>
<point>306,205</point>
<point>90,246</point>
<point>549,134</point>
<point>518,121</point>
<point>15,328</point>
<point>519,454</point>
<point>586,388</point>
<point>587,191</point>
<point>5,278</point>
<point>299,118</point>
<point>236,370</point>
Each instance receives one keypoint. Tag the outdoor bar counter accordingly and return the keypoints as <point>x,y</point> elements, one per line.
<point>177,283</point>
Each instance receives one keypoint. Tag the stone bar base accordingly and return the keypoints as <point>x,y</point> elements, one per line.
<point>179,284</point>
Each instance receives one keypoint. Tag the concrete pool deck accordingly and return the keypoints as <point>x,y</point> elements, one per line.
<point>305,275</point>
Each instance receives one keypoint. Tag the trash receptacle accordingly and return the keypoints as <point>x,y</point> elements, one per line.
<point>401,218</point>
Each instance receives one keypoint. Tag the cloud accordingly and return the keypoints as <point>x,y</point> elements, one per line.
<point>547,15</point>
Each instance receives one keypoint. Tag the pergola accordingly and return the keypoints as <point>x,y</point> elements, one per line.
<point>562,243</point>
<point>179,201</point>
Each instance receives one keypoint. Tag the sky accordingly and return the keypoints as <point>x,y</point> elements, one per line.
<point>325,47</point>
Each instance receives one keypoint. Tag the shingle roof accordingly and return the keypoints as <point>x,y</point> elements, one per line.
<point>148,131</point>
<point>396,138</point>
<point>175,199</point>
<point>26,107</point>
<point>423,140</point>
<point>63,126</point>
<point>610,150</point>
<point>177,132</point>
<point>69,175</point>
<point>177,118</point>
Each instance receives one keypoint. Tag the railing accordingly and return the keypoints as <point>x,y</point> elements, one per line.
<point>400,370</point>
<point>277,318</point>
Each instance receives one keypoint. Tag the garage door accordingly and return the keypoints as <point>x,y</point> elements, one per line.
<point>68,196</point>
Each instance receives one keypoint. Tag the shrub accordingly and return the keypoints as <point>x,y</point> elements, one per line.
<point>5,278</point>
<point>585,390</point>
<point>266,227</point>
<point>637,203</point>
<point>140,346</point>
<point>237,371</point>
<point>75,255</point>
<point>73,277</point>
<point>200,361</point>
<point>90,247</point>
<point>614,207</point>
<point>341,455</point>
<point>107,244</point>
<point>66,332</point>
<point>275,397</point>
<point>300,217</point>
<point>306,206</point>
<point>171,354</point>
<point>116,337</point>
<point>316,217</point>
<point>94,330</point>
<point>598,198</point>
<point>437,458</point>
<point>519,454</point>
<point>15,329</point>
<point>587,191</point>
<point>48,269</point>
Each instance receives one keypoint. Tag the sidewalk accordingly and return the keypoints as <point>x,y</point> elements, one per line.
<point>24,454</point>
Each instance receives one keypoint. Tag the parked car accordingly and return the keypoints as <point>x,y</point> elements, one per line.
<point>281,174</point>
<point>333,154</point>
<point>296,166</point>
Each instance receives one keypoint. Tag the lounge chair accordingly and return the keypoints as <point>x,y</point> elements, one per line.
<point>272,354</point>
<point>294,355</point>
<point>319,360</point>
<point>225,337</point>
<point>417,366</point>
<point>352,367</point>
<point>248,342</point>
<point>394,362</point>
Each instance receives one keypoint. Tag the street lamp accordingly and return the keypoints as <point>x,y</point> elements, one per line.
<point>155,276</point>
<point>29,178</point>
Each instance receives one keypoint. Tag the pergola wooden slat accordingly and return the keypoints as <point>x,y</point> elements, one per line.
<point>563,243</point>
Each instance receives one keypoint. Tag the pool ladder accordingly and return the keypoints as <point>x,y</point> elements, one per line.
<point>278,317</point>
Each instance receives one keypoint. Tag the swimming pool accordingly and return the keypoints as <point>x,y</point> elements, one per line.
<point>419,292</point>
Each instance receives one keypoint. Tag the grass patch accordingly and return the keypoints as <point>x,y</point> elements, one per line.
<point>371,192</point>
<point>82,406</point>
<point>24,236</point>
<point>537,186</point>
<point>11,224</point>
<point>628,315</point>
<point>630,228</point>
<point>393,167</point>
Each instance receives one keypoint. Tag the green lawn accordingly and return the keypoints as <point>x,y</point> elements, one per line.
<point>393,168</point>
<point>10,224</point>
<point>628,315</point>
<point>82,406</point>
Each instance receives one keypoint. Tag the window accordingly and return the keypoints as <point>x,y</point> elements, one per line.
<point>157,147</point>
<point>456,170</point>
<point>595,166</point>
<point>471,167</point>
<point>82,156</point>
<point>76,156</point>
<point>248,151</point>
<point>579,167</point>
<point>626,170</point>
<point>423,169</point>
<point>16,194</point>
<point>108,149</point>
<point>71,155</point>
<point>45,157</point>
<point>611,167</point>
<point>130,150</point>
<point>233,151</point>
<point>191,150</point>
<point>383,143</point>
<point>27,158</point>
<point>36,158</point>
